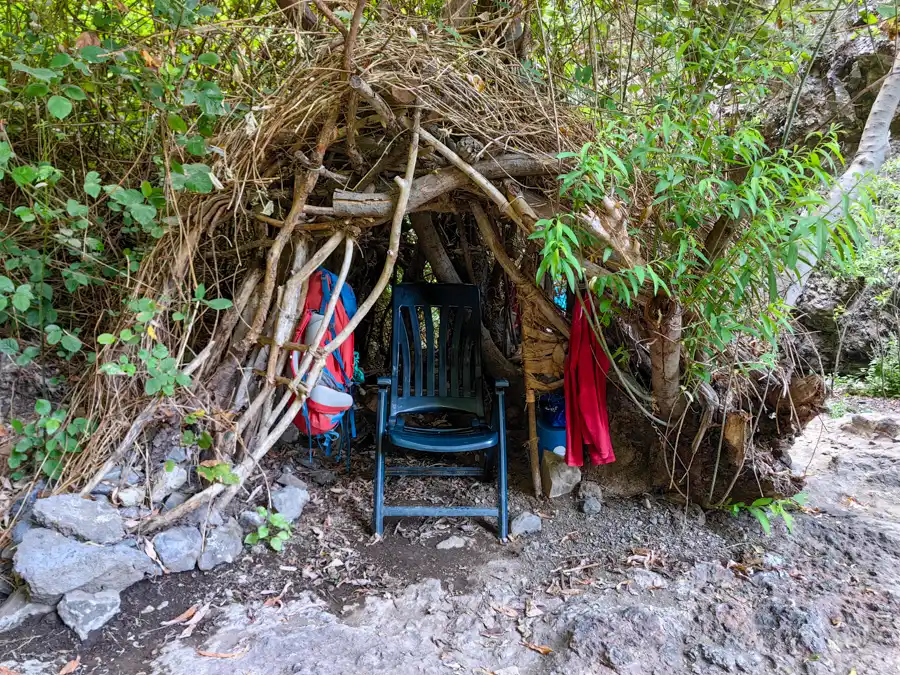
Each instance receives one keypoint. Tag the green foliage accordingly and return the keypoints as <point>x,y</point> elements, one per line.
<point>44,443</point>
<point>276,530</point>
<point>881,378</point>
<point>219,472</point>
<point>767,509</point>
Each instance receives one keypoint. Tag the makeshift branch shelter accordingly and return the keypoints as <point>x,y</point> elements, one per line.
<point>374,126</point>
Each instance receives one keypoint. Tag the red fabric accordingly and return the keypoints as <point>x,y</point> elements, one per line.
<point>587,423</point>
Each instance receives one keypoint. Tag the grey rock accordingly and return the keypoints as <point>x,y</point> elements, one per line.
<point>454,542</point>
<point>289,501</point>
<point>173,500</point>
<point>17,607</point>
<point>648,580</point>
<point>135,512</point>
<point>525,523</point>
<point>768,580</point>
<point>223,545</point>
<point>131,477</point>
<point>591,506</point>
<point>23,525</point>
<point>178,454</point>
<point>53,565</point>
<point>290,435</point>
<point>251,520</point>
<point>131,496</point>
<point>204,517</point>
<point>179,547</point>
<point>290,480</point>
<point>557,477</point>
<point>83,518</point>
<point>588,489</point>
<point>718,656</point>
<point>87,612</point>
<point>773,560</point>
<point>166,482</point>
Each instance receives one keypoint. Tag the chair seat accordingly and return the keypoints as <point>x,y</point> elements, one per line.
<point>443,440</point>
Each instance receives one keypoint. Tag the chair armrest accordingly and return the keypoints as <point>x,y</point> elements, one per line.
<point>384,382</point>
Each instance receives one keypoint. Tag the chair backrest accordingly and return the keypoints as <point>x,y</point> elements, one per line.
<point>436,349</point>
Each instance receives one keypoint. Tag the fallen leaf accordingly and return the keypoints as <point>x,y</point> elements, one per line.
<point>476,82</point>
<point>540,649</point>
<point>87,39</point>
<point>70,667</point>
<point>220,655</point>
<point>192,624</point>
<point>151,331</point>
<point>403,95</point>
<point>508,611</point>
<point>149,60</point>
<point>184,616</point>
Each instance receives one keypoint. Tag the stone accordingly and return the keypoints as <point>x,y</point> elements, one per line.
<point>204,517</point>
<point>290,435</point>
<point>113,479</point>
<point>135,512</point>
<point>223,545</point>
<point>289,501</point>
<point>591,506</point>
<point>178,454</point>
<point>52,565</point>
<point>166,482</point>
<point>173,500</point>
<point>23,525</point>
<point>87,612</point>
<point>648,580</point>
<point>454,542</point>
<point>17,607</point>
<point>251,520</point>
<point>588,489</point>
<point>83,518</point>
<point>131,496</point>
<point>525,523</point>
<point>179,547</point>
<point>557,477</point>
<point>290,480</point>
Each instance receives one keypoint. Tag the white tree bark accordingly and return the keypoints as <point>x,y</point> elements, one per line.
<point>873,147</point>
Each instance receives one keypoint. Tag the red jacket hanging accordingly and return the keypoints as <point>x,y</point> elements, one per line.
<point>587,423</point>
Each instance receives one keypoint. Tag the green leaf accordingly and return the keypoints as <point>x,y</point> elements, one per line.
<point>59,107</point>
<point>276,544</point>
<point>44,74</point>
<point>143,213</point>
<point>176,123</point>
<point>37,89</point>
<point>9,346</point>
<point>801,498</point>
<point>27,356</point>
<point>762,518</point>
<point>169,466</point>
<point>762,501</point>
<point>788,521</point>
<point>223,303</point>
<point>106,338</point>
<point>21,300</point>
<point>251,539</point>
<point>52,426</point>
<point>60,60</point>
<point>76,209</point>
<point>263,531</point>
<point>74,92</point>
<point>42,407</point>
<point>92,184</point>
<point>208,59</point>
<point>70,343</point>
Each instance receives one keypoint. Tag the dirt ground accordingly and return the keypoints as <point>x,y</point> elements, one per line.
<point>644,587</point>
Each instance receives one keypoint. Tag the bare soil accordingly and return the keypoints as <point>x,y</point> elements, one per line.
<point>646,586</point>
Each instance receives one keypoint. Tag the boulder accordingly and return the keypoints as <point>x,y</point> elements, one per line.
<point>166,482</point>
<point>83,518</point>
<point>223,545</point>
<point>53,565</point>
<point>525,523</point>
<point>17,607</point>
<point>557,477</point>
<point>179,547</point>
<point>289,501</point>
<point>86,612</point>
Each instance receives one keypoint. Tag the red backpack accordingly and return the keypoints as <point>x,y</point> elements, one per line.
<point>330,399</point>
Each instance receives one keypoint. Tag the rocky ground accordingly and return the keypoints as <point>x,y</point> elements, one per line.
<point>642,586</point>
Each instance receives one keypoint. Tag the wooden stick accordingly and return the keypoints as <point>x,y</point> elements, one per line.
<point>332,19</point>
<point>133,432</point>
<point>405,184</point>
<point>486,186</point>
<point>384,111</point>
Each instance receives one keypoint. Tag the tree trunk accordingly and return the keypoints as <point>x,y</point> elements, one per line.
<point>873,147</point>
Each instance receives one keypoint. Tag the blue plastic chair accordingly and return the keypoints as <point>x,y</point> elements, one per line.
<point>436,367</point>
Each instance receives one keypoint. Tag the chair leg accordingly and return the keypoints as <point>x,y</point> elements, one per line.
<point>503,519</point>
<point>380,423</point>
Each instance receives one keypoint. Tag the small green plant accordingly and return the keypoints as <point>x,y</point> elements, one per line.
<point>46,441</point>
<point>766,509</point>
<point>882,377</point>
<point>275,530</point>
<point>218,472</point>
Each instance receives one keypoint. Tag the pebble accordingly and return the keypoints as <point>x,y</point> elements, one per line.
<point>525,523</point>
<point>454,542</point>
